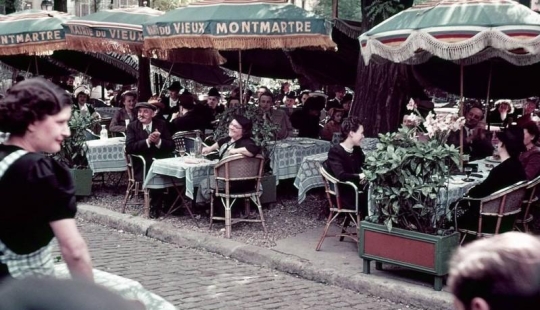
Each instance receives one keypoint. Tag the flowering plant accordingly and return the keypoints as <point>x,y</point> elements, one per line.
<point>434,126</point>
<point>407,174</point>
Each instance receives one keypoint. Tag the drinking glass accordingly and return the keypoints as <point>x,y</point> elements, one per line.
<point>127,122</point>
<point>182,150</point>
<point>468,171</point>
<point>465,159</point>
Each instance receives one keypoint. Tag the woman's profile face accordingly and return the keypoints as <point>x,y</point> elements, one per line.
<point>47,135</point>
<point>235,130</point>
<point>527,137</point>
<point>357,136</point>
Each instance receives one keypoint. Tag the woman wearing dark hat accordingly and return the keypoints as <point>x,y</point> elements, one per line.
<point>508,172</point>
<point>38,195</point>
<point>171,103</point>
<point>239,140</point>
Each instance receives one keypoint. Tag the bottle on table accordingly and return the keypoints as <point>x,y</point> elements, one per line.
<point>197,145</point>
<point>103,134</point>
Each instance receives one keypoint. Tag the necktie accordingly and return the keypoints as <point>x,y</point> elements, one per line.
<point>147,129</point>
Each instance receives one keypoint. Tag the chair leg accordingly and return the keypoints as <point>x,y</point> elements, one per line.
<point>346,222</point>
<point>331,218</point>
<point>463,239</point>
<point>146,203</point>
<point>228,222</point>
<point>211,210</point>
<point>261,215</point>
<point>128,192</point>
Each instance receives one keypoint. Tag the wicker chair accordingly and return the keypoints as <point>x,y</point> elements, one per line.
<point>526,217</point>
<point>135,186</point>
<point>331,188</point>
<point>233,169</point>
<point>501,204</point>
<point>179,140</point>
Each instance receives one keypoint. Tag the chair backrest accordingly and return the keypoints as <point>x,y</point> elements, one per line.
<point>503,203</point>
<point>180,139</point>
<point>129,164</point>
<point>239,168</point>
<point>332,189</point>
<point>533,188</point>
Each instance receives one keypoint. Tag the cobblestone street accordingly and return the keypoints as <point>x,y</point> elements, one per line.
<point>193,279</point>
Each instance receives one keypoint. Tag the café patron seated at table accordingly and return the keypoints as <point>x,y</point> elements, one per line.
<point>508,172</point>
<point>476,139</point>
<point>238,142</point>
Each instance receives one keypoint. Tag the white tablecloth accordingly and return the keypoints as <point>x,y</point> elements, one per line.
<point>127,288</point>
<point>168,172</point>
<point>288,155</point>
<point>106,155</point>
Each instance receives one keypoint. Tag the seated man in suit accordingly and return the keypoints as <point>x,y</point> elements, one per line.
<point>476,139</point>
<point>278,117</point>
<point>150,138</point>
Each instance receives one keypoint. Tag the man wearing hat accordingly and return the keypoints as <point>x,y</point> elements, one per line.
<point>189,119</point>
<point>150,138</point>
<point>171,102</point>
<point>213,108</point>
<point>335,103</point>
<point>289,103</point>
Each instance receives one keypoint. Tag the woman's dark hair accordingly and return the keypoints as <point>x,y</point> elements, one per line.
<point>314,103</point>
<point>231,99</point>
<point>533,129</point>
<point>30,101</point>
<point>512,139</point>
<point>128,93</point>
<point>336,111</point>
<point>246,124</point>
<point>349,124</point>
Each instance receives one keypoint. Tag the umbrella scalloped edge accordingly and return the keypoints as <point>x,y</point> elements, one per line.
<point>45,48</point>
<point>422,41</point>
<point>101,45</point>
<point>319,41</point>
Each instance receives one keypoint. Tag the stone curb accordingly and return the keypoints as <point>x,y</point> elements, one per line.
<point>390,289</point>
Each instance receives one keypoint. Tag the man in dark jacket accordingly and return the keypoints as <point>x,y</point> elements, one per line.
<point>190,118</point>
<point>171,103</point>
<point>150,138</point>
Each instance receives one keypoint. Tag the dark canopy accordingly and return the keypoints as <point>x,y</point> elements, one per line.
<point>206,75</point>
<point>507,80</point>
<point>29,63</point>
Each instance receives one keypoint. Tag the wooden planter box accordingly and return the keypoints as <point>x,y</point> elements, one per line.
<point>268,183</point>
<point>82,178</point>
<point>417,251</point>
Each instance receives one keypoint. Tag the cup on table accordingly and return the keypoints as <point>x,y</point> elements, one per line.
<point>465,159</point>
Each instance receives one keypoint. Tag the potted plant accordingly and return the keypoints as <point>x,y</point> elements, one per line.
<point>408,172</point>
<point>262,133</point>
<point>73,152</point>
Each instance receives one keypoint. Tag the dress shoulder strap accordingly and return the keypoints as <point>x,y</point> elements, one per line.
<point>10,159</point>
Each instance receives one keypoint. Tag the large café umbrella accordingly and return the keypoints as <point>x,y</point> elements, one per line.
<point>237,25</point>
<point>462,32</point>
<point>466,32</point>
<point>32,32</point>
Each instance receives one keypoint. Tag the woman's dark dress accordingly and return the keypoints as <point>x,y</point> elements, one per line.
<point>507,173</point>
<point>35,191</point>
<point>347,166</point>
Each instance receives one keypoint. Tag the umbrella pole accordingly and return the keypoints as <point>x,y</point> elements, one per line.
<point>461,112</point>
<point>35,60</point>
<point>487,95</point>
<point>165,82</point>
<point>249,75</point>
<point>240,72</point>
<point>28,69</point>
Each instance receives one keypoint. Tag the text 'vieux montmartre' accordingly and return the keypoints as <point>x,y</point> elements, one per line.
<point>38,36</point>
<point>246,27</point>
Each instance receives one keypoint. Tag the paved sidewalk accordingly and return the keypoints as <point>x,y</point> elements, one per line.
<point>337,263</point>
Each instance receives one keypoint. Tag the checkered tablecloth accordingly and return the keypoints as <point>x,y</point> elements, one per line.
<point>169,172</point>
<point>308,176</point>
<point>288,154</point>
<point>106,155</point>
